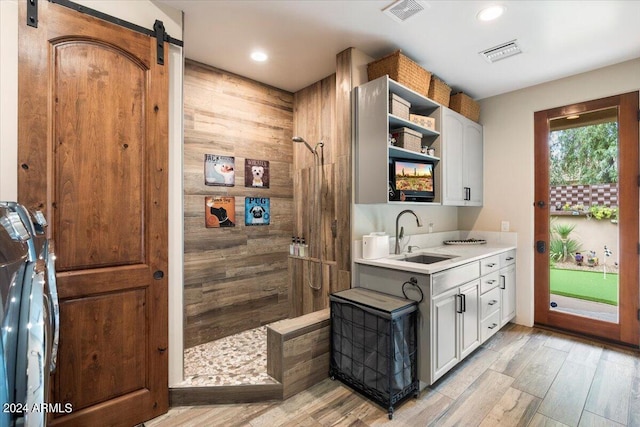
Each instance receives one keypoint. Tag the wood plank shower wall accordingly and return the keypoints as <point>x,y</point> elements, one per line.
<point>322,112</point>
<point>235,278</point>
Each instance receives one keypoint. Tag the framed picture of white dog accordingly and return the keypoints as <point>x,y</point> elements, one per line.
<point>256,173</point>
<point>256,211</point>
<point>219,170</point>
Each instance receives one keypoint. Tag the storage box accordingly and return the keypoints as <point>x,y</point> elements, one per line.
<point>463,104</point>
<point>424,121</point>
<point>408,138</point>
<point>403,70</point>
<point>399,106</point>
<point>439,91</point>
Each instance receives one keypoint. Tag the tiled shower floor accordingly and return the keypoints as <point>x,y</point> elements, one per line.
<point>234,360</point>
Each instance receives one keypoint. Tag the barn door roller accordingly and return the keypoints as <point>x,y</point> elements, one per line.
<point>158,28</point>
<point>32,13</point>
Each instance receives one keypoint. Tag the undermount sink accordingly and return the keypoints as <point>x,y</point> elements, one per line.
<point>426,258</point>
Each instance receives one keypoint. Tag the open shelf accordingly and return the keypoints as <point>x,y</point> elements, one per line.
<point>403,153</point>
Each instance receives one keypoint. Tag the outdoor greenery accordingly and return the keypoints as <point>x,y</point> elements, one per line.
<point>561,246</point>
<point>586,285</point>
<point>584,155</point>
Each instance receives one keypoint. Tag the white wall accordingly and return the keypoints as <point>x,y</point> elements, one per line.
<point>509,164</point>
<point>8,99</point>
<point>143,13</point>
<point>369,218</point>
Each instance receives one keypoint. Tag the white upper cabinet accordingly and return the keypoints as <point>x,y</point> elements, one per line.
<point>462,176</point>
<point>372,123</point>
<point>457,142</point>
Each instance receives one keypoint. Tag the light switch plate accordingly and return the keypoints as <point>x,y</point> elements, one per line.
<point>504,226</point>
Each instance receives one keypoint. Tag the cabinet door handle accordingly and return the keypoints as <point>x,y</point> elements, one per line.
<point>510,258</point>
<point>491,282</point>
<point>464,302</point>
<point>493,325</point>
<point>491,265</point>
<point>459,301</point>
<point>493,302</point>
<point>503,284</point>
<point>467,193</point>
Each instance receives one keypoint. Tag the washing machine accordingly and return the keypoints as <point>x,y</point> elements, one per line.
<point>31,355</point>
<point>14,260</point>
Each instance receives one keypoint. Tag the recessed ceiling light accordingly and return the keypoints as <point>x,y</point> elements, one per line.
<point>573,117</point>
<point>259,56</point>
<point>490,13</point>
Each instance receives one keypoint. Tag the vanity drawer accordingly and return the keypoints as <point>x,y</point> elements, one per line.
<point>454,277</point>
<point>489,282</point>
<point>489,302</point>
<point>507,258</point>
<point>490,326</point>
<point>489,264</point>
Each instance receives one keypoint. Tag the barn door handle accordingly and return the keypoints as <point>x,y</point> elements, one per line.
<point>161,350</point>
<point>541,204</point>
<point>541,246</point>
<point>158,274</point>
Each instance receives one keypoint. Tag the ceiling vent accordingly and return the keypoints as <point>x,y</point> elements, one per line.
<point>501,51</point>
<point>402,10</point>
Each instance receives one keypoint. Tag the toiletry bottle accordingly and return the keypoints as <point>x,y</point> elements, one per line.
<point>292,246</point>
<point>303,248</point>
<point>296,247</point>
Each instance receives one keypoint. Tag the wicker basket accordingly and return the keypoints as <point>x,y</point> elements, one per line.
<point>463,104</point>
<point>439,91</point>
<point>408,138</point>
<point>403,70</point>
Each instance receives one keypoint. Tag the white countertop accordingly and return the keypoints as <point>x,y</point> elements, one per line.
<point>461,254</point>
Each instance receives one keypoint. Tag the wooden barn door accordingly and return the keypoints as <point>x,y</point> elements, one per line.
<point>93,149</point>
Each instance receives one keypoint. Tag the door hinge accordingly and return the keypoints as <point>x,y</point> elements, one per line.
<point>158,28</point>
<point>32,13</point>
<point>638,314</point>
<point>639,115</point>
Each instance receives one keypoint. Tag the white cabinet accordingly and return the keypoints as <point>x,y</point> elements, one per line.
<point>462,145</point>
<point>460,307</point>
<point>372,123</point>
<point>455,327</point>
<point>507,287</point>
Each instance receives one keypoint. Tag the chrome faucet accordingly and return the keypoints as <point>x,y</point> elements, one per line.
<point>399,236</point>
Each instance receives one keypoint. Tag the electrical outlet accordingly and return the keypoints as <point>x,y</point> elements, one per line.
<point>504,226</point>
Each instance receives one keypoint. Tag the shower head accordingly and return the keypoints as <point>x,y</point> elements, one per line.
<point>300,139</point>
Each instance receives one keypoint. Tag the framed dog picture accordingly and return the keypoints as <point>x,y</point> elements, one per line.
<point>219,170</point>
<point>220,211</point>
<point>256,211</point>
<point>256,173</point>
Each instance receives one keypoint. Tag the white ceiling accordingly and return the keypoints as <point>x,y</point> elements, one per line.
<point>302,38</point>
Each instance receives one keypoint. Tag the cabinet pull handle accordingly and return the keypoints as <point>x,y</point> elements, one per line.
<point>510,258</point>
<point>493,325</point>
<point>491,282</point>
<point>503,284</point>
<point>464,302</point>
<point>491,265</point>
<point>459,300</point>
<point>493,302</point>
<point>467,193</point>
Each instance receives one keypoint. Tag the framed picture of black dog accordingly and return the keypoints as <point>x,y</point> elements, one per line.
<point>257,211</point>
<point>256,173</point>
<point>219,170</point>
<point>220,211</point>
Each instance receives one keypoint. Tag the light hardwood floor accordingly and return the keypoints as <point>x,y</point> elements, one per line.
<point>520,377</point>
